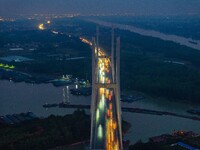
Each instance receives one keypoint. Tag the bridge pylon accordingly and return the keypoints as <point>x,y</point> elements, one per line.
<point>106,133</point>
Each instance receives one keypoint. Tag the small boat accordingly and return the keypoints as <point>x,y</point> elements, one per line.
<point>63,81</point>
<point>130,98</point>
<point>63,105</point>
<point>49,105</point>
<point>194,111</point>
<point>82,91</point>
<point>193,42</point>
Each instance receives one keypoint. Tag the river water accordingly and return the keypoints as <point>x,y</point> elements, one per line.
<point>195,44</point>
<point>23,97</point>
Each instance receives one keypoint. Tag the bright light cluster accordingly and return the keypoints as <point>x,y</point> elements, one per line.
<point>106,121</point>
<point>86,41</point>
<point>7,66</point>
<point>48,22</point>
<point>103,65</point>
<point>41,26</point>
<point>105,105</point>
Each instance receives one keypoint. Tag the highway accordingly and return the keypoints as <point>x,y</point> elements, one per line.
<point>106,123</point>
<point>106,113</point>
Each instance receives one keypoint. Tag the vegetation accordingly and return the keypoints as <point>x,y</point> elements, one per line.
<point>145,61</point>
<point>185,26</point>
<point>51,55</point>
<point>146,67</point>
<point>46,133</point>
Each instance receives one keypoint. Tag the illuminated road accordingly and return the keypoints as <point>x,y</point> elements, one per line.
<point>106,124</point>
<point>105,106</point>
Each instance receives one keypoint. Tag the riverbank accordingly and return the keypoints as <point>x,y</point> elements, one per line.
<point>17,76</point>
<point>46,133</point>
<point>23,97</point>
<point>126,109</point>
<point>50,132</point>
<point>174,141</point>
<point>177,39</point>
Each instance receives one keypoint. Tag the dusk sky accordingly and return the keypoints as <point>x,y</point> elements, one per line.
<point>139,7</point>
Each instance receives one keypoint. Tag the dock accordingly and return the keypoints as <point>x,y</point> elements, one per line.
<point>132,110</point>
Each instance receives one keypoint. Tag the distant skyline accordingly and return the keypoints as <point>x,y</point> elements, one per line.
<point>138,7</point>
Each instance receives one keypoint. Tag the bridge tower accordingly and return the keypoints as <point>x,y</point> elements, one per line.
<point>106,133</point>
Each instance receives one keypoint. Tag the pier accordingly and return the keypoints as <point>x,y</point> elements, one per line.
<point>131,110</point>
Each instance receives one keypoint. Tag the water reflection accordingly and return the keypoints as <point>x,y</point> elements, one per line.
<point>22,97</point>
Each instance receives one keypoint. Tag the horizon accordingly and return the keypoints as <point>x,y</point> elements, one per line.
<point>13,8</point>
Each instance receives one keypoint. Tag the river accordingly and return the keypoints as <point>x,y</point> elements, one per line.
<point>195,44</point>
<point>23,97</point>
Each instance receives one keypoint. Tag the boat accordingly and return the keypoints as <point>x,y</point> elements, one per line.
<point>82,91</point>
<point>130,98</point>
<point>193,42</point>
<point>65,80</point>
<point>194,111</point>
<point>61,82</point>
<point>49,105</point>
<point>63,105</point>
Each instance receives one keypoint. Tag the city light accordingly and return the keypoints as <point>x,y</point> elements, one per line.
<point>41,26</point>
<point>105,107</point>
<point>97,115</point>
<point>54,32</point>
<point>7,66</point>
<point>105,103</point>
<point>86,41</point>
<point>100,132</point>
